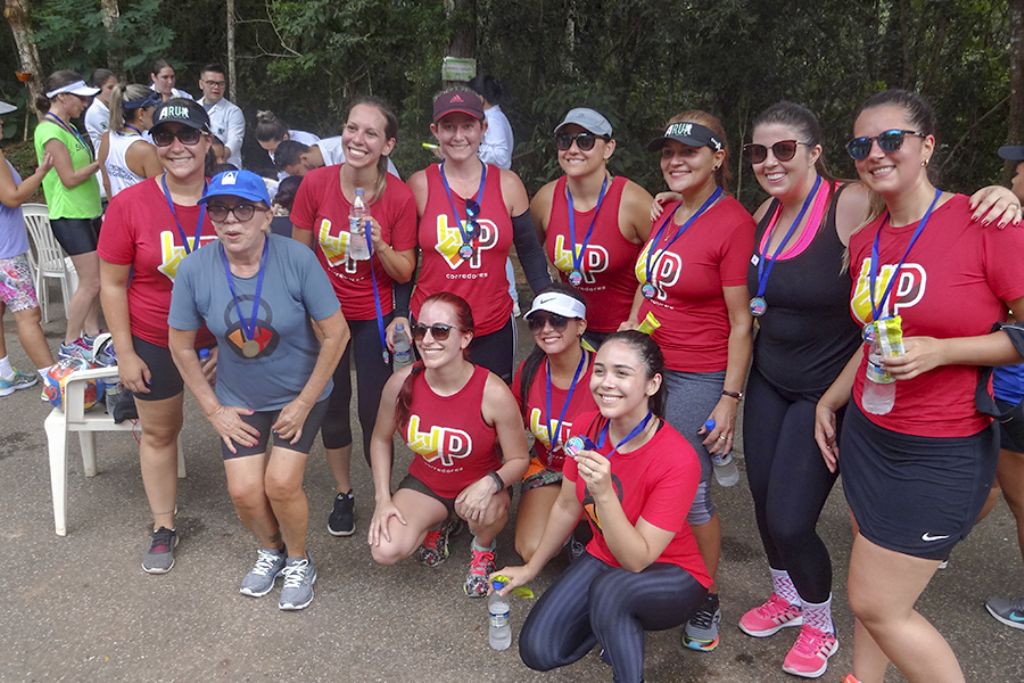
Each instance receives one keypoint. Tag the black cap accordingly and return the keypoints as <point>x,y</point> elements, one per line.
<point>688,133</point>
<point>180,110</point>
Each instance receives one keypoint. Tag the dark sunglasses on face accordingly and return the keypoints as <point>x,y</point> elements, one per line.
<point>538,320</point>
<point>585,141</point>
<point>439,331</point>
<point>163,137</point>
<point>888,141</point>
<point>241,212</point>
<point>784,150</point>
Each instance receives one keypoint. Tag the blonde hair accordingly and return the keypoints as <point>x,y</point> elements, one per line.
<point>119,116</point>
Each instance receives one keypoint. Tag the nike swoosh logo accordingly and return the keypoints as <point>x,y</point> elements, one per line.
<point>545,300</point>
<point>928,538</point>
<point>1017,616</point>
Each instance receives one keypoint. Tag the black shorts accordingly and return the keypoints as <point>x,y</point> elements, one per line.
<point>165,380</point>
<point>413,484</point>
<point>263,421</point>
<point>915,495</point>
<point>1006,438</point>
<point>76,235</point>
<point>496,351</point>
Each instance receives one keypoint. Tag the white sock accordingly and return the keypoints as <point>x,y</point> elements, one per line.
<point>6,371</point>
<point>783,586</point>
<point>477,546</point>
<point>819,615</point>
<point>43,372</point>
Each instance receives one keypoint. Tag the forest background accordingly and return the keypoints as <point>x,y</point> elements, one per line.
<point>637,61</point>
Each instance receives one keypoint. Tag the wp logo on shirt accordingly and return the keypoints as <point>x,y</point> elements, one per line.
<point>908,291</point>
<point>449,241</point>
<point>665,270</point>
<point>335,247</point>
<point>440,443</point>
<point>540,430</point>
<point>172,254</point>
<point>595,259</point>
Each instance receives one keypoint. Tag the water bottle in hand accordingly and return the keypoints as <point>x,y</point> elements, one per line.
<point>726,472</point>
<point>499,631</point>
<point>403,347</point>
<point>879,386</point>
<point>358,250</point>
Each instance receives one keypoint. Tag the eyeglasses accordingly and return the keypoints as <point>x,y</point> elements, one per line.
<point>888,141</point>
<point>439,331</point>
<point>783,150</point>
<point>585,141</point>
<point>215,84</point>
<point>241,212</point>
<point>186,136</point>
<point>472,212</point>
<point>538,320</point>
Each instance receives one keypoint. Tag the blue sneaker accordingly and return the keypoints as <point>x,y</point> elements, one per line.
<point>20,380</point>
<point>76,349</point>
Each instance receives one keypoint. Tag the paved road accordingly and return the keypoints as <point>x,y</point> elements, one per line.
<point>80,608</point>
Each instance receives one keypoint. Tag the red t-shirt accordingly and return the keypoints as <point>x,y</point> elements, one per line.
<point>953,284</point>
<point>658,482</point>
<point>480,280</point>
<point>689,277</point>
<point>534,410</point>
<point>607,285</point>
<point>139,231</point>
<point>320,205</point>
<point>452,445</point>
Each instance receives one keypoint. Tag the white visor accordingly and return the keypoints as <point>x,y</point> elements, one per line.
<point>76,88</point>
<point>560,304</point>
<point>6,108</point>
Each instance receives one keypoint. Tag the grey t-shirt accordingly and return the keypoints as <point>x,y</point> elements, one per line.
<point>295,289</point>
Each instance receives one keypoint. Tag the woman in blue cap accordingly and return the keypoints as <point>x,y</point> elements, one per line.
<point>281,333</point>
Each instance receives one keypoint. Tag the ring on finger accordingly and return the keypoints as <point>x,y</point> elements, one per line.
<point>723,437</point>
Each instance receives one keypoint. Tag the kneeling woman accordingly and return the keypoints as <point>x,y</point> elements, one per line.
<point>642,570</point>
<point>267,302</point>
<point>458,419</point>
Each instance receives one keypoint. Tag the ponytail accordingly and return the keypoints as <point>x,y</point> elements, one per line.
<point>404,401</point>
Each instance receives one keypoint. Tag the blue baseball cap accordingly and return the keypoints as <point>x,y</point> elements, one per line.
<point>244,184</point>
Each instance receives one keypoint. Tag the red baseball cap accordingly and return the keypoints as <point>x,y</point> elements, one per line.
<point>458,102</point>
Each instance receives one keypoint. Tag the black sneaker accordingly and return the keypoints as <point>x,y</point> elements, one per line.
<point>342,521</point>
<point>159,558</point>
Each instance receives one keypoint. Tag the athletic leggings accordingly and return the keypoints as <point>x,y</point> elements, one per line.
<point>789,482</point>
<point>592,602</point>
<point>371,376</point>
<point>496,351</point>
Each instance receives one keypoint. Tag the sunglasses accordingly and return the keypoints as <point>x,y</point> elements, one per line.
<point>439,331</point>
<point>538,320</point>
<point>888,141</point>
<point>585,141</point>
<point>241,212</point>
<point>472,212</point>
<point>783,150</point>
<point>186,136</point>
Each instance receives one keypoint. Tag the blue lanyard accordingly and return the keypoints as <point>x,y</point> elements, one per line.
<point>679,232</point>
<point>603,434</point>
<point>464,230</point>
<point>577,257</point>
<point>128,125</point>
<point>248,327</point>
<point>873,265</point>
<point>764,272</point>
<point>74,131</point>
<point>174,215</point>
<point>553,439</point>
<point>376,301</point>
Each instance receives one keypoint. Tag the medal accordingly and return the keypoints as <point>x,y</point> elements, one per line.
<point>654,254</point>
<point>765,261</point>
<point>869,333</point>
<point>575,278</point>
<point>387,357</point>
<point>648,290</point>
<point>758,306</point>
<point>466,251</point>
<point>250,349</point>
<point>469,226</point>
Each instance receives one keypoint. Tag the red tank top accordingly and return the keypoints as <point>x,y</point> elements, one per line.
<point>452,445</point>
<point>479,280</point>
<point>608,285</point>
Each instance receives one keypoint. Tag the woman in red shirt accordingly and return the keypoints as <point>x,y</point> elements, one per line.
<point>147,231</point>
<point>916,467</point>
<point>635,479</point>
<point>464,430</point>
<point>373,290</point>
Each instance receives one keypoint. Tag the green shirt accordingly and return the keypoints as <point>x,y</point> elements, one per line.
<point>81,201</point>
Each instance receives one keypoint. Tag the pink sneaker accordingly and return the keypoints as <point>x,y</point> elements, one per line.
<point>809,655</point>
<point>771,617</point>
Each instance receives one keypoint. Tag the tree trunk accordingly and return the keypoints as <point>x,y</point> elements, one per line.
<point>462,15</point>
<point>16,13</point>
<point>569,61</point>
<point>232,81</point>
<point>115,56</point>
<point>1015,132</point>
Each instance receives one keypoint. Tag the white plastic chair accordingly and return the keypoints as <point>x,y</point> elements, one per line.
<point>49,260</point>
<point>74,418</point>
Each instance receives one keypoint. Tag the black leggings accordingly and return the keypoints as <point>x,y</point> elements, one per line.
<point>371,376</point>
<point>496,351</point>
<point>789,482</point>
<point>593,602</point>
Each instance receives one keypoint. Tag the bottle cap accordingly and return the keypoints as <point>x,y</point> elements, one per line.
<point>710,424</point>
<point>497,584</point>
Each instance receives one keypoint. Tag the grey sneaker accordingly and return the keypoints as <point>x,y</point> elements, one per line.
<point>299,577</point>
<point>701,632</point>
<point>1007,610</point>
<point>159,558</point>
<point>260,579</point>
<point>342,521</point>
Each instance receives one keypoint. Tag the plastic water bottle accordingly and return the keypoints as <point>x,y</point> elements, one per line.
<point>499,630</point>
<point>357,247</point>
<point>403,347</point>
<point>726,472</point>
<point>879,386</point>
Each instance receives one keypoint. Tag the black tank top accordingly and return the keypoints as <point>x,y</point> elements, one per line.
<point>807,335</point>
